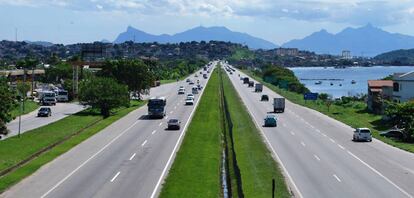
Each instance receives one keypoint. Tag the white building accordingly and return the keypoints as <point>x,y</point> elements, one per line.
<point>346,54</point>
<point>403,87</point>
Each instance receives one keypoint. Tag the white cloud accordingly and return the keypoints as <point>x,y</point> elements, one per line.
<point>379,12</point>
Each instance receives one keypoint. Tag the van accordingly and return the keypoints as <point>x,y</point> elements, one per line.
<point>194,90</point>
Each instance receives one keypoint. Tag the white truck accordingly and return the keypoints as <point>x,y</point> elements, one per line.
<point>62,95</point>
<point>47,97</point>
<point>278,105</point>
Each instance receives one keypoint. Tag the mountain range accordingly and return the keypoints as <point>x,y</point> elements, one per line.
<point>363,41</point>
<point>196,34</point>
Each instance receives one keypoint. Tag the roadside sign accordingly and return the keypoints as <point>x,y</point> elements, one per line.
<point>310,96</point>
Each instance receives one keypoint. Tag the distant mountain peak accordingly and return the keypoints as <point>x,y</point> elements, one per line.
<point>199,33</point>
<point>368,40</point>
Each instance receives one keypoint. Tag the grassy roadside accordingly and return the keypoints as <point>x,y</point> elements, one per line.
<point>353,114</point>
<point>196,169</point>
<point>29,106</point>
<point>13,150</point>
<point>256,164</point>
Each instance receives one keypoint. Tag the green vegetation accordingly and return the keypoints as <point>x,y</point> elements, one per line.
<point>7,102</point>
<point>133,73</point>
<point>402,115</point>
<point>29,106</point>
<point>397,57</point>
<point>242,54</point>
<point>352,113</point>
<point>282,77</point>
<point>257,167</point>
<point>66,133</point>
<point>103,94</point>
<point>196,169</point>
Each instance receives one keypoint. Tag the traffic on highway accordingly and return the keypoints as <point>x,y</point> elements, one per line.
<point>130,157</point>
<point>322,157</point>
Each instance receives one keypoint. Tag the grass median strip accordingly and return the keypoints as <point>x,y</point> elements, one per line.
<point>354,114</point>
<point>257,167</point>
<point>67,132</point>
<point>29,106</point>
<point>196,169</point>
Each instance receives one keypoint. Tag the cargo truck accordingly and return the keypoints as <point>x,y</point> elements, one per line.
<point>278,105</point>
<point>251,84</point>
<point>258,87</point>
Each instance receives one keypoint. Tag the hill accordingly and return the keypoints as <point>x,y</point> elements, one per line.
<point>364,41</point>
<point>196,34</point>
<point>397,57</point>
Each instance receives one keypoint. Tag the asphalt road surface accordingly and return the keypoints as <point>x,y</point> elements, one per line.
<point>320,159</point>
<point>130,158</point>
<point>31,121</point>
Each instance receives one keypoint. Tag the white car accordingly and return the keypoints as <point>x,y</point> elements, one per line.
<point>189,101</point>
<point>181,90</point>
<point>190,96</point>
<point>362,134</point>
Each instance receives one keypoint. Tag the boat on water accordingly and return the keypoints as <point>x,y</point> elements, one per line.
<point>340,85</point>
<point>318,82</point>
<point>340,67</point>
<point>331,84</point>
<point>353,82</point>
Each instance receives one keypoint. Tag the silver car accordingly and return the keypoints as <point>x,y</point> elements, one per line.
<point>362,134</point>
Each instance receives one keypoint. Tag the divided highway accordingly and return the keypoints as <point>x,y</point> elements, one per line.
<point>320,160</point>
<point>130,158</point>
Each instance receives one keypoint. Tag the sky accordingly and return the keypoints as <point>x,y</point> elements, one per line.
<point>73,21</point>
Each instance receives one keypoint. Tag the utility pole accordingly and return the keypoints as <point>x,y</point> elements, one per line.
<point>15,34</point>
<point>20,116</point>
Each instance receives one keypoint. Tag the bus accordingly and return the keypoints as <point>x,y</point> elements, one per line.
<point>156,107</point>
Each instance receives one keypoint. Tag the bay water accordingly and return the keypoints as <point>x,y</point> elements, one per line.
<point>338,82</point>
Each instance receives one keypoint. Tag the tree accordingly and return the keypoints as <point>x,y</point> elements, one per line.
<point>7,102</point>
<point>402,116</point>
<point>56,73</point>
<point>22,89</point>
<point>133,73</point>
<point>104,94</point>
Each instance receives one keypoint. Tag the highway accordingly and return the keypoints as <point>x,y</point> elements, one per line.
<point>130,158</point>
<point>31,121</point>
<point>320,160</point>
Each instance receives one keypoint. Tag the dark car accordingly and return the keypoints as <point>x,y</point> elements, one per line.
<point>270,121</point>
<point>44,112</point>
<point>264,98</point>
<point>393,133</point>
<point>174,124</point>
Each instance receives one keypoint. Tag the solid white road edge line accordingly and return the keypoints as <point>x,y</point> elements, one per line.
<point>154,192</point>
<point>381,175</point>
<point>374,170</point>
<point>113,178</point>
<point>89,159</point>
<point>258,126</point>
